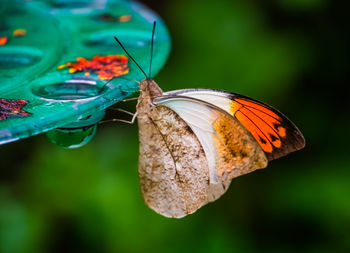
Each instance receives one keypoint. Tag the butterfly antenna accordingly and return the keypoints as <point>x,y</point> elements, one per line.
<point>150,64</point>
<point>106,83</point>
<point>130,56</point>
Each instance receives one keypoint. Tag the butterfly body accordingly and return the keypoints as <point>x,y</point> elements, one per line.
<point>193,143</point>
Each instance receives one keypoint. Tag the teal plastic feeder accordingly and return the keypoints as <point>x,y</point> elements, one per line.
<point>51,80</point>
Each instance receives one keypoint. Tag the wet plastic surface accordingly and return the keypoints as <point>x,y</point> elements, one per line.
<point>57,32</point>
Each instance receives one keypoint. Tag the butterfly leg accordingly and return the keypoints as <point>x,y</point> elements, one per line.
<point>134,115</point>
<point>121,100</point>
<point>127,91</point>
<point>122,110</point>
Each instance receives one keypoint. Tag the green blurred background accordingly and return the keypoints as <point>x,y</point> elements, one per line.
<point>290,54</point>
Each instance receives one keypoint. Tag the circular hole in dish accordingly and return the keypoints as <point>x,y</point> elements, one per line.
<point>16,57</point>
<point>129,38</point>
<point>70,90</point>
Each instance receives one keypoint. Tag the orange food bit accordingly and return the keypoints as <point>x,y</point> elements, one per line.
<point>125,18</point>
<point>3,40</point>
<point>106,66</point>
<point>19,32</point>
<point>110,18</point>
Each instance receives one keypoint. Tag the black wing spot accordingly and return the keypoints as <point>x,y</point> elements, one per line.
<point>262,140</point>
<point>276,126</point>
<point>273,137</point>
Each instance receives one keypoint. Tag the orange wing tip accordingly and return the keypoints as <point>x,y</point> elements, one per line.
<point>258,106</point>
<point>276,134</point>
<point>258,136</point>
<point>281,131</point>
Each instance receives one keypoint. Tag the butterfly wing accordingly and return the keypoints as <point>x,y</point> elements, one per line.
<point>173,168</point>
<point>274,132</point>
<point>229,148</point>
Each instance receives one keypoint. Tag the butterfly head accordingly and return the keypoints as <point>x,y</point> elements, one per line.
<point>150,88</point>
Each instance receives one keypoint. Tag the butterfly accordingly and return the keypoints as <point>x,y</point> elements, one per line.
<point>193,142</point>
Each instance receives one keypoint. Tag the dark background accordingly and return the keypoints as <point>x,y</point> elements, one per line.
<point>292,54</point>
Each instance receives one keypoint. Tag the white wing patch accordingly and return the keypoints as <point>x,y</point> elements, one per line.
<point>216,98</point>
<point>199,118</point>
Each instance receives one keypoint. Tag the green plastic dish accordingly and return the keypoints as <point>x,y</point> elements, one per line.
<point>36,96</point>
